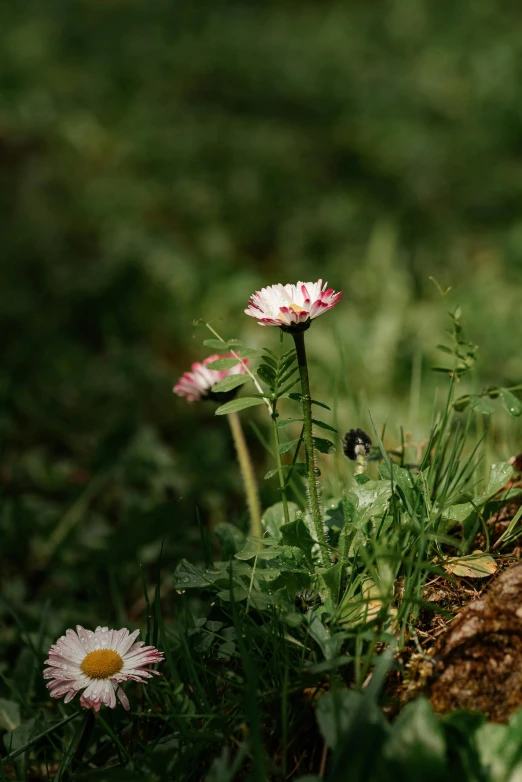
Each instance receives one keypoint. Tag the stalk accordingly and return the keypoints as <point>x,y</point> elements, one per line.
<point>313,493</point>
<point>247,474</point>
<point>279,464</point>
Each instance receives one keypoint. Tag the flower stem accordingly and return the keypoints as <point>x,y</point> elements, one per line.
<point>313,492</point>
<point>279,464</point>
<point>247,473</point>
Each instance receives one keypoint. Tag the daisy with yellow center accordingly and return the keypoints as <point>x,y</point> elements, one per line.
<point>97,662</point>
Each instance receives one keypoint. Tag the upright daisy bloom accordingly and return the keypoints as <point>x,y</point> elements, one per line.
<point>97,662</point>
<point>292,307</point>
<point>198,384</point>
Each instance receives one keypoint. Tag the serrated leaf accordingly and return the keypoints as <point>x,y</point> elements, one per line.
<point>230,382</point>
<point>239,404</point>
<point>476,565</point>
<point>223,363</point>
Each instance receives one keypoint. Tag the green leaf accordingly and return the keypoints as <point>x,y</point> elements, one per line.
<point>484,406</point>
<point>186,576</point>
<point>341,714</point>
<point>416,748</point>
<point>297,397</point>
<point>230,382</point>
<point>9,714</point>
<point>296,533</point>
<point>499,474</point>
<point>274,517</point>
<point>324,446</point>
<point>215,344</point>
<point>223,363</point>
<point>230,538</point>
<point>512,403</point>
<point>239,404</point>
<point>267,374</point>
<point>322,425</point>
<point>284,447</point>
<point>250,353</point>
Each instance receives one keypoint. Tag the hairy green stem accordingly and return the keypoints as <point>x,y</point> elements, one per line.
<point>313,493</point>
<point>247,473</point>
<point>282,482</point>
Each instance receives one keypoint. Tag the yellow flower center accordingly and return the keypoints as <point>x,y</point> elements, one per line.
<point>295,307</point>
<point>102,664</point>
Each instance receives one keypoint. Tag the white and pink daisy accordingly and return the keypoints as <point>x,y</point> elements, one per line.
<point>292,307</point>
<point>198,384</point>
<point>97,663</point>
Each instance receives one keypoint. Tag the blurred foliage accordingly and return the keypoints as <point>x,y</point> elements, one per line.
<point>159,162</point>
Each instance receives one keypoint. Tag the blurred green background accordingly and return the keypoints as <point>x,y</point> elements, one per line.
<point>158,163</point>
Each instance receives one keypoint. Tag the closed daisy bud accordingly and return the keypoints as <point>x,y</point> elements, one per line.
<point>197,385</point>
<point>356,443</point>
<point>292,307</point>
<point>97,663</point>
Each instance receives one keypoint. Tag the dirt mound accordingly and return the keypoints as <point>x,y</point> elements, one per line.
<point>477,662</point>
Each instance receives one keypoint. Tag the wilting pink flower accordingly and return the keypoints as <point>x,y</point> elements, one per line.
<point>292,306</point>
<point>97,662</point>
<point>199,383</point>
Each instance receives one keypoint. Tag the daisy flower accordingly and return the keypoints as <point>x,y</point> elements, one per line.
<point>198,384</point>
<point>292,307</point>
<point>97,662</point>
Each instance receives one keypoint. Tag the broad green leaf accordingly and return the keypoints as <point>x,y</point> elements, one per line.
<point>273,518</point>
<point>223,363</point>
<point>239,404</point>
<point>186,576</point>
<point>235,343</point>
<point>296,533</point>
<point>512,403</point>
<point>215,344</point>
<point>416,748</point>
<point>476,565</point>
<point>251,549</point>
<point>330,644</point>
<point>230,382</point>
<point>484,406</point>
<point>342,713</point>
<point>372,500</point>
<point>500,749</point>
<point>9,714</point>
<point>499,475</point>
